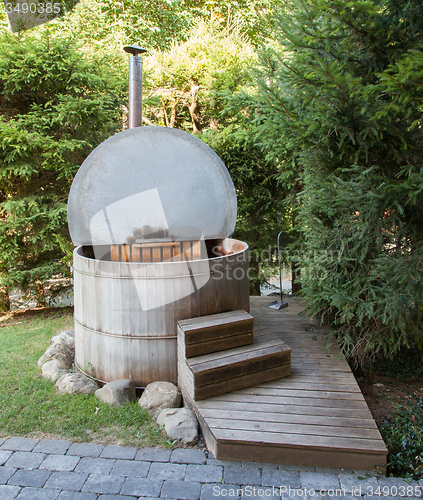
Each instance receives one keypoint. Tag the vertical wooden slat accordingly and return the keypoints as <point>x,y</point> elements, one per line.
<point>196,250</point>
<point>146,254</point>
<point>125,253</point>
<point>136,254</point>
<point>157,254</point>
<point>114,253</point>
<point>167,253</point>
<point>186,248</point>
<point>177,252</point>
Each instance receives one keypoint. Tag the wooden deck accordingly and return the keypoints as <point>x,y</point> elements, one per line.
<point>317,416</point>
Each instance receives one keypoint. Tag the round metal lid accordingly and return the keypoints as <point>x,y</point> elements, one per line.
<point>149,184</point>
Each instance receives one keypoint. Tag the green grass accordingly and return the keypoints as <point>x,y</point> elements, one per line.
<point>30,406</point>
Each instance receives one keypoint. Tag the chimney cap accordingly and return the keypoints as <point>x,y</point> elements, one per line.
<point>134,49</point>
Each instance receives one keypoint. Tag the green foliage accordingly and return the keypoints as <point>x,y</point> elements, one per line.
<point>404,439</point>
<point>153,24</point>
<point>56,106</point>
<point>190,79</point>
<point>406,365</point>
<point>401,431</point>
<point>341,112</point>
<point>253,14</point>
<point>105,25</point>
<point>54,114</point>
<point>260,207</point>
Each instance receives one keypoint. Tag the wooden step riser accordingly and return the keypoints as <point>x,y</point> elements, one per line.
<point>242,353</point>
<point>208,391</point>
<point>240,369</point>
<point>220,374</point>
<point>228,342</point>
<point>220,330</point>
<point>215,333</point>
<point>196,392</point>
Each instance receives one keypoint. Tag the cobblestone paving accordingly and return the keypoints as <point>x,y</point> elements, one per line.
<point>59,470</point>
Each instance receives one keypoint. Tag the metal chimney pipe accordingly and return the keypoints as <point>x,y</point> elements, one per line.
<point>135,85</point>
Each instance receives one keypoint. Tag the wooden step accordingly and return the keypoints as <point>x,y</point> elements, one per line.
<point>202,377</point>
<point>316,416</point>
<point>216,332</point>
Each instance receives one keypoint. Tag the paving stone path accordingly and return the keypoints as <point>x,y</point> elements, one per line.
<point>46,469</point>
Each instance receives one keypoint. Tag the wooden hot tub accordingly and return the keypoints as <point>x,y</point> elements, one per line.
<point>116,337</point>
<point>151,212</point>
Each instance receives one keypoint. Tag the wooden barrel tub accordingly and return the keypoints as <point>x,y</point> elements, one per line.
<point>126,312</point>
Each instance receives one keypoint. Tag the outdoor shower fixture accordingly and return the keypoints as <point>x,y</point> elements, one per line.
<point>279,304</point>
<point>150,212</point>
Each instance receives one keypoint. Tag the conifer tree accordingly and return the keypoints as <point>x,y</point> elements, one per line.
<point>341,112</point>
<point>55,107</point>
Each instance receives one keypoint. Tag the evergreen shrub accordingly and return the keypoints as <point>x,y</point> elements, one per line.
<point>341,96</point>
<point>56,105</point>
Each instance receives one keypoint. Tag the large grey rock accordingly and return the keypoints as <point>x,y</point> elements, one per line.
<point>67,337</point>
<point>62,347</point>
<point>180,424</point>
<point>160,395</point>
<point>53,370</point>
<point>117,392</point>
<point>73,383</point>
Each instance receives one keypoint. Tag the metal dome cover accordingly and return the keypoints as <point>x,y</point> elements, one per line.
<point>149,184</point>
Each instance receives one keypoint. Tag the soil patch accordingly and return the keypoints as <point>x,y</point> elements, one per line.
<point>385,394</point>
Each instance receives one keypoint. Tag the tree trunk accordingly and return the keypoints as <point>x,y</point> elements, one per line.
<point>4,300</point>
<point>147,121</point>
<point>173,116</point>
<point>214,124</point>
<point>196,125</point>
<point>165,115</point>
<point>295,273</point>
<point>124,117</point>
